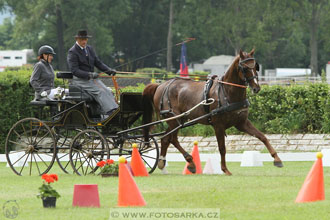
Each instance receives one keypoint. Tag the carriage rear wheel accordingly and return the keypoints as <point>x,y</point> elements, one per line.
<point>30,147</point>
<point>87,148</point>
<point>64,138</point>
<point>149,151</point>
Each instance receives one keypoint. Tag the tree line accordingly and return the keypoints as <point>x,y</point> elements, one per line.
<point>291,33</point>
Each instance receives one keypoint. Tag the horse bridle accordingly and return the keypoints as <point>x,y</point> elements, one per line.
<point>245,67</point>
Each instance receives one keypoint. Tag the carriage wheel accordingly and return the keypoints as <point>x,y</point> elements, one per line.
<point>30,147</point>
<point>63,141</point>
<point>149,151</point>
<point>87,148</point>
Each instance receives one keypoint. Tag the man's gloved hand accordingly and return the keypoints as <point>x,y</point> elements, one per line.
<point>111,72</point>
<point>93,75</point>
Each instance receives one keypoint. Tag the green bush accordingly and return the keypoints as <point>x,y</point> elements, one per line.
<point>275,109</point>
<point>15,96</point>
<point>291,109</point>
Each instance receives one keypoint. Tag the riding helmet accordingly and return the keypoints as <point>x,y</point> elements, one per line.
<point>45,49</point>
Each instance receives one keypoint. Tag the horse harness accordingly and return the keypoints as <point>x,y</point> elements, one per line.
<point>223,103</point>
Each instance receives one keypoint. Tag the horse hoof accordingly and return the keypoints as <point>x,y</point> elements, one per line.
<point>227,173</point>
<point>278,164</point>
<point>161,164</point>
<point>192,169</point>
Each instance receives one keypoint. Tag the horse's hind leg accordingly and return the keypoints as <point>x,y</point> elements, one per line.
<point>165,142</point>
<point>191,165</point>
<point>249,128</point>
<point>173,139</point>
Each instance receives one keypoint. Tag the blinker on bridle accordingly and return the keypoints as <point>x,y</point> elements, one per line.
<point>244,68</point>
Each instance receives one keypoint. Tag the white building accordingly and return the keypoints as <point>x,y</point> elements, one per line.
<point>328,70</point>
<point>215,65</point>
<point>14,58</point>
<point>287,72</point>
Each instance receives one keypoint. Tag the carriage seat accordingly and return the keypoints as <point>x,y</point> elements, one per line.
<point>75,92</point>
<point>64,75</point>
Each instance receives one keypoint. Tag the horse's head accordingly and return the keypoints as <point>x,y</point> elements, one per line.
<point>248,70</point>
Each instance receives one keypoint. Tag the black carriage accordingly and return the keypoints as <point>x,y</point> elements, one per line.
<point>71,132</point>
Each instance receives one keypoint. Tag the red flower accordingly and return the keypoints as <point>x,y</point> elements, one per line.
<point>101,163</point>
<point>44,176</point>
<point>111,161</point>
<point>49,178</point>
<point>54,176</point>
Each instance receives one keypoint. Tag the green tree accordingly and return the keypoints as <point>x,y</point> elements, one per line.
<point>310,15</point>
<point>6,31</point>
<point>55,22</point>
<point>142,32</point>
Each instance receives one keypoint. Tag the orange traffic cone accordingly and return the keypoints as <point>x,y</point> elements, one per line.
<point>128,192</point>
<point>196,159</point>
<point>137,165</point>
<point>313,187</point>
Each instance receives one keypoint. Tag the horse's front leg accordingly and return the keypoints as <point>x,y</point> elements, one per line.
<point>249,128</point>
<point>220,134</point>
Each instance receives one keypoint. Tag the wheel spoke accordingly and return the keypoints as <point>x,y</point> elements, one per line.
<point>148,150</point>
<point>25,133</point>
<point>148,156</point>
<point>36,164</point>
<point>82,163</point>
<point>146,162</point>
<point>31,163</point>
<point>35,139</point>
<point>87,166</point>
<point>18,159</point>
<point>14,142</point>
<point>63,156</point>
<point>42,160</point>
<point>24,164</point>
<point>42,137</point>
<point>19,136</point>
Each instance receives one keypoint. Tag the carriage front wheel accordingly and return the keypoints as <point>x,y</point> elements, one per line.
<point>30,147</point>
<point>149,151</point>
<point>87,148</point>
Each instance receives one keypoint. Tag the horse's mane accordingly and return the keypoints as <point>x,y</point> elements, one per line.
<point>232,65</point>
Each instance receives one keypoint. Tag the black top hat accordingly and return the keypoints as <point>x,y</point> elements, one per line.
<point>82,34</point>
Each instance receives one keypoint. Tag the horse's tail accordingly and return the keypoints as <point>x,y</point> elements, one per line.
<point>148,106</point>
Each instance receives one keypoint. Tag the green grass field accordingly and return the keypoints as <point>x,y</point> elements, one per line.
<point>251,193</point>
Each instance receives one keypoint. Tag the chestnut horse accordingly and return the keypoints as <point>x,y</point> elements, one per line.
<point>230,108</point>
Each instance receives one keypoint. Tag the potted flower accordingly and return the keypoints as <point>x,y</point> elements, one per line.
<point>108,168</point>
<point>46,191</point>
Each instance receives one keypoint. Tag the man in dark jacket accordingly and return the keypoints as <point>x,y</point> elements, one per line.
<point>81,60</point>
